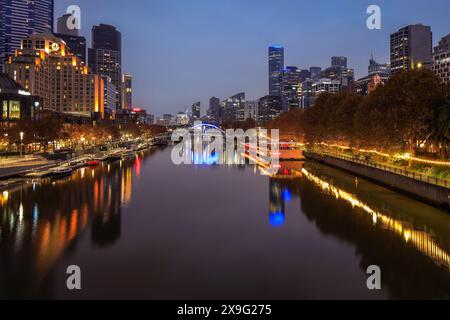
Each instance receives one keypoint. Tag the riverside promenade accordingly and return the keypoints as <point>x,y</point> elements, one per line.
<point>11,166</point>
<point>432,191</point>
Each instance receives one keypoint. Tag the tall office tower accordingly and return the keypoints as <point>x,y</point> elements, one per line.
<point>291,88</point>
<point>315,72</point>
<point>214,110</point>
<point>411,48</point>
<point>234,109</point>
<point>127,92</point>
<point>269,107</point>
<point>441,59</point>
<point>71,37</point>
<point>339,62</point>
<point>276,66</point>
<point>105,56</point>
<point>19,19</point>
<point>307,97</point>
<point>46,68</point>
<point>196,110</point>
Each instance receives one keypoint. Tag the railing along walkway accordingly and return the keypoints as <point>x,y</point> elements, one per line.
<point>385,167</point>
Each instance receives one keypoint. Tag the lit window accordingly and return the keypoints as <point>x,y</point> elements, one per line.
<point>14,110</point>
<point>5,109</point>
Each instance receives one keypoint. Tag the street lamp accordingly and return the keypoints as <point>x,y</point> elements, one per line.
<point>7,143</point>
<point>21,143</point>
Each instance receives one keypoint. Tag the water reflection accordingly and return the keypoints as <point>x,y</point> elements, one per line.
<point>409,240</point>
<point>41,219</point>
<point>422,240</point>
<point>309,222</point>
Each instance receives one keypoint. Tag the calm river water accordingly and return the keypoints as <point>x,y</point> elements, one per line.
<point>148,229</point>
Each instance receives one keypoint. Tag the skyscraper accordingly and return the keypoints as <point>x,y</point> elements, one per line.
<point>411,47</point>
<point>269,107</point>
<point>127,92</point>
<point>290,88</point>
<point>19,19</point>
<point>441,59</point>
<point>234,108</point>
<point>276,66</point>
<point>74,41</point>
<point>214,110</point>
<point>105,56</point>
<point>196,110</point>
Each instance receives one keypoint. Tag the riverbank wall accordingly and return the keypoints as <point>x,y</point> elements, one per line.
<point>432,194</point>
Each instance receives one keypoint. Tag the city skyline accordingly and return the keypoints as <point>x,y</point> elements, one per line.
<point>166,68</point>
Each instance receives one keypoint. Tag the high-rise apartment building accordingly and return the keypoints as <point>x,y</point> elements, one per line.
<point>19,19</point>
<point>411,48</point>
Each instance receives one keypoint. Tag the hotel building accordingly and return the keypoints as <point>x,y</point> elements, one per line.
<point>45,67</point>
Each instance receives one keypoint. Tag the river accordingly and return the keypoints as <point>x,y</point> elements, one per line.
<point>148,229</point>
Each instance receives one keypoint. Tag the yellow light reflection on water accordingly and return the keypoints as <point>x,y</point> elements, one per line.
<point>421,240</point>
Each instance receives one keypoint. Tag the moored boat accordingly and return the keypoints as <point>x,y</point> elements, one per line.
<point>60,172</point>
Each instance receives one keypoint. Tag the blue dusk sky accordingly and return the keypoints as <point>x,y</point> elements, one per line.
<point>183,51</point>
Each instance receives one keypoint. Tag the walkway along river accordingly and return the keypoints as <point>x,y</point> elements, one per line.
<point>145,228</point>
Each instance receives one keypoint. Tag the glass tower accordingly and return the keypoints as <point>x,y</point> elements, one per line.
<point>276,66</point>
<point>19,19</point>
<point>105,56</point>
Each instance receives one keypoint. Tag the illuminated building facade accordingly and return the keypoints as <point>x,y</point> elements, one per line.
<point>269,107</point>
<point>105,56</point>
<point>411,47</point>
<point>127,91</point>
<point>16,103</point>
<point>45,67</point>
<point>109,100</point>
<point>379,74</point>
<point>234,108</point>
<point>19,19</point>
<point>307,97</point>
<point>276,66</point>
<point>290,88</point>
<point>441,59</point>
<point>326,85</point>
<point>339,72</point>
